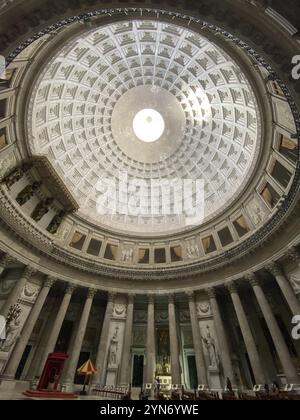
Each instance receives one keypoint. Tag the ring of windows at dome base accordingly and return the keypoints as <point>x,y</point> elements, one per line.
<point>269,191</point>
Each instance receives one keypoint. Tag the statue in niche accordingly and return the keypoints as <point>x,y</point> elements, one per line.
<point>113,349</point>
<point>13,325</point>
<point>192,250</point>
<point>41,209</point>
<point>127,255</point>
<point>56,222</point>
<point>16,175</point>
<point>210,345</point>
<point>27,193</point>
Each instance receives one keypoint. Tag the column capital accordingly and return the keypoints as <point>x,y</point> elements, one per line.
<point>4,260</point>
<point>111,296</point>
<point>191,296</point>
<point>130,297</point>
<point>49,281</point>
<point>70,289</point>
<point>275,269</point>
<point>232,286</point>
<point>28,272</point>
<point>91,293</point>
<point>293,254</point>
<point>212,293</point>
<point>171,298</point>
<point>151,299</point>
<point>252,279</point>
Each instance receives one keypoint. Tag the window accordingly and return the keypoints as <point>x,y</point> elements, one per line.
<point>288,148</point>
<point>270,196</point>
<point>176,253</point>
<point>160,256</point>
<point>111,252</point>
<point>144,256</point>
<point>94,247</point>
<point>241,226</point>
<point>3,139</point>
<point>209,245</point>
<point>281,174</point>
<point>2,108</point>
<point>78,241</point>
<point>225,236</point>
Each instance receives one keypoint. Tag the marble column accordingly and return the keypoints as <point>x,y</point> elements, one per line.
<point>55,330</point>
<point>286,287</point>
<point>17,353</point>
<point>250,344</point>
<point>221,336</point>
<point>150,345</point>
<point>277,337</point>
<point>125,378</point>
<point>4,260</point>
<point>174,347</point>
<point>16,291</point>
<point>197,340</point>
<point>101,359</point>
<point>81,330</point>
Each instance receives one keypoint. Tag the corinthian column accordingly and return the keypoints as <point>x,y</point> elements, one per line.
<point>73,361</point>
<point>16,291</point>
<point>221,336</point>
<point>260,378</point>
<point>174,348</point>
<point>50,346</point>
<point>4,260</point>
<point>278,340</point>
<point>197,340</point>
<point>101,360</point>
<point>294,255</point>
<point>15,358</point>
<point>126,353</point>
<point>286,287</point>
<point>150,346</point>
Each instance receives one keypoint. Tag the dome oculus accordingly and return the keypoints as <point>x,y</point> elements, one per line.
<point>148,125</point>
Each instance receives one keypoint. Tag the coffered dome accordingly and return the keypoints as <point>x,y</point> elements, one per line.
<point>151,100</point>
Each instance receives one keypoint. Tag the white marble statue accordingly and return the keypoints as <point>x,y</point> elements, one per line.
<point>210,345</point>
<point>12,333</point>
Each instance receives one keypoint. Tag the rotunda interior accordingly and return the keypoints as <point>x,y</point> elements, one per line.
<point>149,199</point>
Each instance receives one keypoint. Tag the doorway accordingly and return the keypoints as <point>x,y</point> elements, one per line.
<point>192,372</point>
<point>138,371</point>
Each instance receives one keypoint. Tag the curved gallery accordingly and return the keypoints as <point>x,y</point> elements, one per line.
<point>149,196</point>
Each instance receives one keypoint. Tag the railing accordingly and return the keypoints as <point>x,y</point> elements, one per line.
<point>112,393</point>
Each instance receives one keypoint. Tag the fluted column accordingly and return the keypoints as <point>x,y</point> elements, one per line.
<point>278,340</point>
<point>73,361</point>
<point>15,358</point>
<point>286,287</point>
<point>101,359</point>
<point>197,340</point>
<point>174,347</point>
<point>150,346</point>
<point>221,335</point>
<point>126,351</point>
<point>50,346</point>
<point>250,344</point>
<point>4,260</point>
<point>16,291</point>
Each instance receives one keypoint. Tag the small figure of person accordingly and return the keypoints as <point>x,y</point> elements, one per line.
<point>267,389</point>
<point>229,385</point>
<point>275,388</point>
